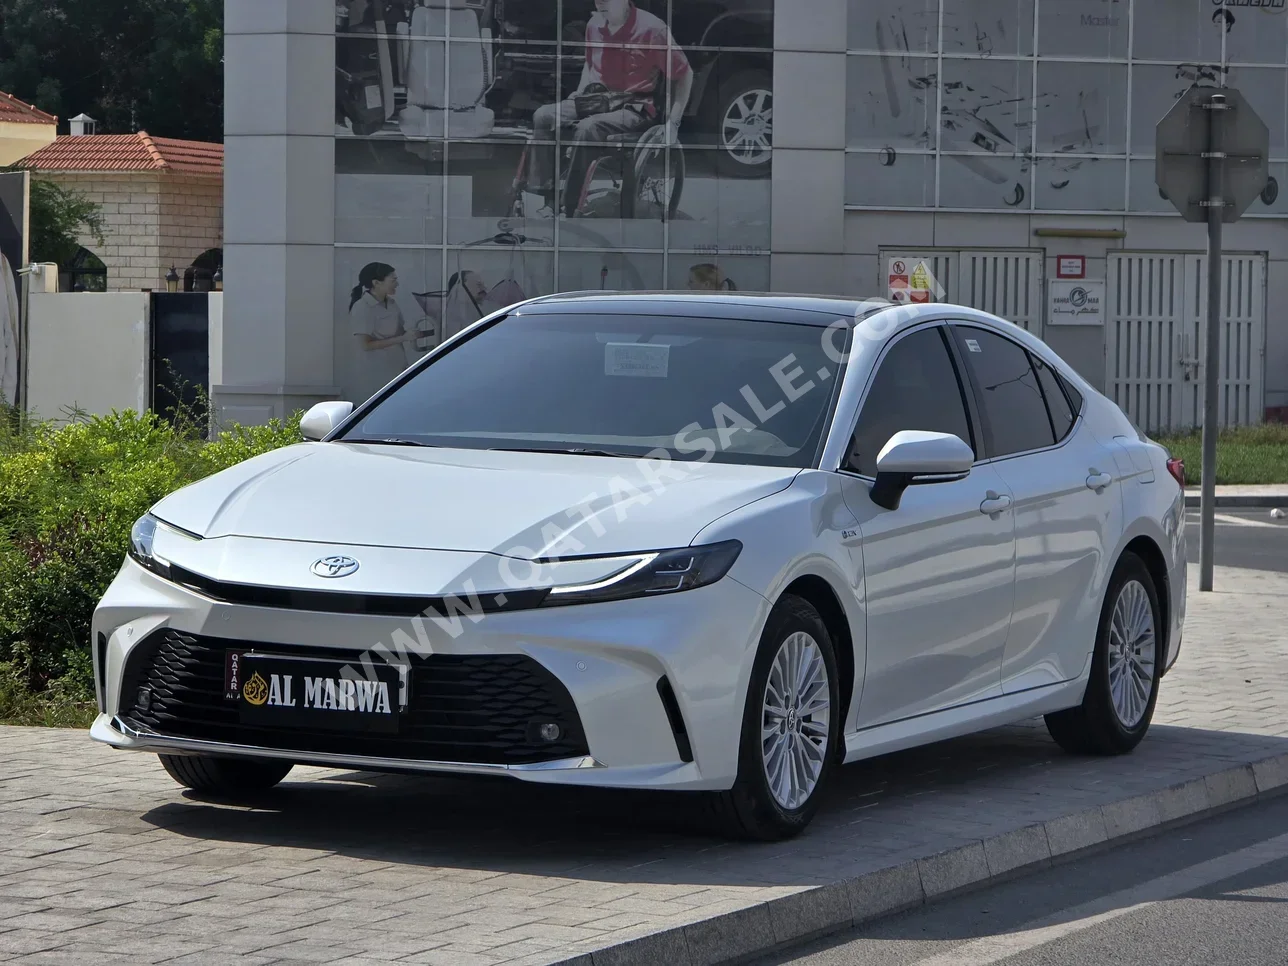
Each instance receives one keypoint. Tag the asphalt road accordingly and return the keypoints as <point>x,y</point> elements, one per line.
<point>1208,894</point>
<point>1244,538</point>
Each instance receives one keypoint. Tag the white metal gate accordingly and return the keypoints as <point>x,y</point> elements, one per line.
<point>1005,283</point>
<point>1154,338</point>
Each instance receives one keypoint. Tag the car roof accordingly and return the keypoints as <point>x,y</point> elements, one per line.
<point>886,318</point>
<point>750,306</point>
<point>819,310</point>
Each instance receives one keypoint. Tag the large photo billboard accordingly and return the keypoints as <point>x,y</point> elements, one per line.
<point>492,150</point>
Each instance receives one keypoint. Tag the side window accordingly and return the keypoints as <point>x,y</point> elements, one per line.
<point>1062,414</point>
<point>916,387</point>
<point>1075,397</point>
<point>1009,391</point>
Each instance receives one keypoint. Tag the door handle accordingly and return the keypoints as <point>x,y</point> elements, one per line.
<point>995,503</point>
<point>1098,481</point>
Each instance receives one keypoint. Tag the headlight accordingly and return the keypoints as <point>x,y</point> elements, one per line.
<point>649,574</point>
<point>142,536</point>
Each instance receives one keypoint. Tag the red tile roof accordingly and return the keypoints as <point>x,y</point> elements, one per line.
<point>128,152</point>
<point>20,112</point>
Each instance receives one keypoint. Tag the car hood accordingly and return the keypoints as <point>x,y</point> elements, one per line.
<point>518,504</point>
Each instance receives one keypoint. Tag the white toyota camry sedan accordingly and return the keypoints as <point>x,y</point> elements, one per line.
<point>721,544</point>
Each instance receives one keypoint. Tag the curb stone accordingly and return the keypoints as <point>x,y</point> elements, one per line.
<point>764,927</point>
<point>1248,502</point>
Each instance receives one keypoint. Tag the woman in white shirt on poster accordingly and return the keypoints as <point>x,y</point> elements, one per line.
<point>378,325</point>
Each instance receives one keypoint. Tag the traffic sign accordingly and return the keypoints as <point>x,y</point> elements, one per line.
<point>1182,154</point>
<point>1211,151</point>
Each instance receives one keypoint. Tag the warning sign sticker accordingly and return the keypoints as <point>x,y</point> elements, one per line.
<point>912,281</point>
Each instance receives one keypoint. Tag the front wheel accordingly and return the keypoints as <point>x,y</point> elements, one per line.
<point>1126,668</point>
<point>225,777</point>
<point>790,728</point>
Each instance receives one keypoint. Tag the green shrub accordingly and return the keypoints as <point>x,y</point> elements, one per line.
<point>69,494</point>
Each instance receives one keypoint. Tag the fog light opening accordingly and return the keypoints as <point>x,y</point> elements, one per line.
<point>549,731</point>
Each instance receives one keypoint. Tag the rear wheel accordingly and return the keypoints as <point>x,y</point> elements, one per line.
<point>790,728</point>
<point>225,777</point>
<point>1125,669</point>
<point>653,180</point>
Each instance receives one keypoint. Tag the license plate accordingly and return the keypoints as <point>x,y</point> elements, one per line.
<point>315,694</point>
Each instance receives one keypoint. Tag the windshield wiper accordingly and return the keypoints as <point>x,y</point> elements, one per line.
<point>386,441</point>
<point>569,450</point>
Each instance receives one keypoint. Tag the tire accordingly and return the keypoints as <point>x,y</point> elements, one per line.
<point>636,171</point>
<point>1098,726</point>
<point>225,777</point>
<point>724,104</point>
<point>751,809</point>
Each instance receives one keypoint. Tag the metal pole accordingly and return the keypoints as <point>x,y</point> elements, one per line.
<point>1215,204</point>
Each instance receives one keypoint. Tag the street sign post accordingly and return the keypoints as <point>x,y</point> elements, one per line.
<point>1212,160</point>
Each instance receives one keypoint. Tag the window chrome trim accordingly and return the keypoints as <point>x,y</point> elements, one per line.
<point>833,463</point>
<point>1078,418</point>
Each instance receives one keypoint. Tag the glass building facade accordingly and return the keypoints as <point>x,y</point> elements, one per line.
<point>1044,105</point>
<point>394,169</point>
<point>493,150</point>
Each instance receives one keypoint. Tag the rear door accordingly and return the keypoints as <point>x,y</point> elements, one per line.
<point>1067,510</point>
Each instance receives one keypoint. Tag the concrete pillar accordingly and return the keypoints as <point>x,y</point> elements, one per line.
<point>279,208</point>
<point>808,231</point>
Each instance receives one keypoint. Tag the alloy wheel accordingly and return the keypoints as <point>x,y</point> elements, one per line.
<point>747,128</point>
<point>1132,653</point>
<point>795,718</point>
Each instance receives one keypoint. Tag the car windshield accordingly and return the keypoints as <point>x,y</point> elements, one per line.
<point>699,388</point>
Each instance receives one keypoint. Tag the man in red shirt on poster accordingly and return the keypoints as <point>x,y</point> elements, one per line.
<point>629,52</point>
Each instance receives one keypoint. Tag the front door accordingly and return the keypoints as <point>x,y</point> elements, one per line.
<point>939,570</point>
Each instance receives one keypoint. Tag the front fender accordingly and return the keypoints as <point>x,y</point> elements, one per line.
<point>805,530</point>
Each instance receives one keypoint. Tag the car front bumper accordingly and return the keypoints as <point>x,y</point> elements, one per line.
<point>610,658</point>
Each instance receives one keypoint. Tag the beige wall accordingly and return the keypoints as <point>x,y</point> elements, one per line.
<point>88,351</point>
<point>192,219</point>
<point>150,222</point>
<point>17,140</point>
<point>131,208</point>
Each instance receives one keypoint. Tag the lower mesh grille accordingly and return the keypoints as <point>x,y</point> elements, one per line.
<point>461,708</point>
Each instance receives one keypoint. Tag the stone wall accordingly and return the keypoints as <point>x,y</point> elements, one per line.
<point>131,208</point>
<point>151,221</point>
<point>192,219</point>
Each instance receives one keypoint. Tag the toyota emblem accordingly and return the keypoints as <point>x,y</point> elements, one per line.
<point>336,566</point>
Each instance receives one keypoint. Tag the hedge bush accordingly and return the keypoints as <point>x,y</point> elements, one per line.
<point>69,493</point>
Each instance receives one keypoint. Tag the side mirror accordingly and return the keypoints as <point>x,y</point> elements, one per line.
<point>324,417</point>
<point>915,457</point>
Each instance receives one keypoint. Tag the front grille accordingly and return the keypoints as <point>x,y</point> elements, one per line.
<point>461,708</point>
<point>342,602</point>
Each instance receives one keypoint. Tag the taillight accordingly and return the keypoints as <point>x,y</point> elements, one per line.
<point>1177,468</point>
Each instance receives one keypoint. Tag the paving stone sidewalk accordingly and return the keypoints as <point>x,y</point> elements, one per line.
<point>103,860</point>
